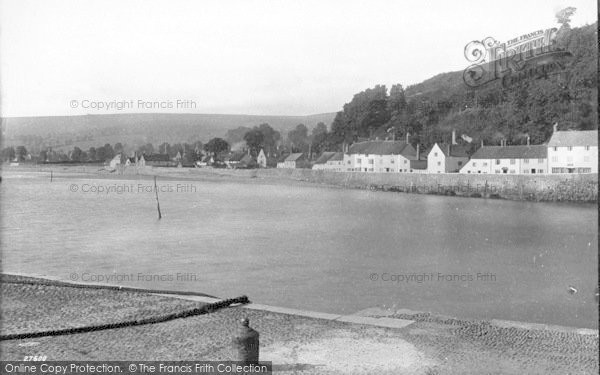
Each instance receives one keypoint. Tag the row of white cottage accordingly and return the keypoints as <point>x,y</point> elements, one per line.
<point>565,152</point>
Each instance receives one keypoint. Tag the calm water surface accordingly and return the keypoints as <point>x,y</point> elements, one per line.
<point>312,247</point>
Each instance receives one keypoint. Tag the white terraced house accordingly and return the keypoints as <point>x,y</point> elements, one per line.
<point>446,158</point>
<point>330,161</point>
<point>508,160</point>
<point>379,157</point>
<point>573,151</point>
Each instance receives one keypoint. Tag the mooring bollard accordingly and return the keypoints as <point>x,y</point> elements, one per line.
<point>246,343</point>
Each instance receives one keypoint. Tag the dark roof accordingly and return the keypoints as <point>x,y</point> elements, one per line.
<point>337,157</point>
<point>157,157</point>
<point>282,158</point>
<point>511,152</point>
<point>458,151</point>
<point>294,157</point>
<point>382,148</point>
<point>325,156</point>
<point>418,164</point>
<point>574,138</point>
<point>237,156</point>
<point>246,159</point>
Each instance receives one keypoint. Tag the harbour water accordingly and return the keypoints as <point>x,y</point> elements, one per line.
<point>309,247</point>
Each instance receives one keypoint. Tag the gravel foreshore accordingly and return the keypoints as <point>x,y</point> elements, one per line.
<point>295,344</point>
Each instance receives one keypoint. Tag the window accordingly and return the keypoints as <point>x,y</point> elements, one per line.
<point>555,148</point>
<point>555,160</point>
<point>512,171</point>
<point>358,161</point>
<point>525,161</point>
<point>497,161</point>
<point>371,161</point>
<point>439,163</point>
<point>459,163</point>
<point>392,161</point>
<point>540,161</point>
<point>540,171</point>
<point>405,161</point>
<point>349,162</point>
<point>484,164</point>
<point>435,154</point>
<point>512,161</point>
<point>474,164</point>
<point>497,171</point>
<point>587,148</point>
<point>570,148</point>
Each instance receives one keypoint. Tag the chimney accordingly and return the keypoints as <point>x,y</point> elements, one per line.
<point>448,150</point>
<point>527,140</point>
<point>555,128</point>
<point>407,135</point>
<point>482,143</point>
<point>418,152</point>
<point>453,136</point>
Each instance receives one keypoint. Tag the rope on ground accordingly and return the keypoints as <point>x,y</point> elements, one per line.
<point>46,282</point>
<point>208,308</point>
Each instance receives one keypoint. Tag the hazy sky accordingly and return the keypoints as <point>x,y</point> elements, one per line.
<point>245,56</point>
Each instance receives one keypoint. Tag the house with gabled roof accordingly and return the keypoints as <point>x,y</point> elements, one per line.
<point>446,158</point>
<point>158,160</point>
<point>261,159</point>
<point>233,160</point>
<point>296,160</point>
<point>379,156</point>
<point>573,151</point>
<point>320,163</point>
<point>335,163</point>
<point>508,160</point>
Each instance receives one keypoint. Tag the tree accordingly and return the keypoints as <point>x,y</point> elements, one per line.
<point>77,154</point>
<point>92,154</point>
<point>21,153</point>
<point>298,138</point>
<point>164,148</point>
<point>254,140</point>
<point>118,148</point>
<point>43,156</point>
<point>146,149</point>
<point>271,138</point>
<point>234,136</point>
<point>216,146</point>
<point>319,138</point>
<point>8,154</point>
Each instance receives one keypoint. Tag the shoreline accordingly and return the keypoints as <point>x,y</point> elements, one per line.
<point>295,341</point>
<point>371,316</point>
<point>572,189</point>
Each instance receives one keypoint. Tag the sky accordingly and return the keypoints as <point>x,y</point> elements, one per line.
<point>261,57</point>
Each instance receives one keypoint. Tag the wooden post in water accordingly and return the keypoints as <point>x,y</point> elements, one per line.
<point>157,202</point>
<point>50,176</point>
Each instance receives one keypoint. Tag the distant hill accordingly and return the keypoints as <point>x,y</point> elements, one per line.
<point>65,132</point>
